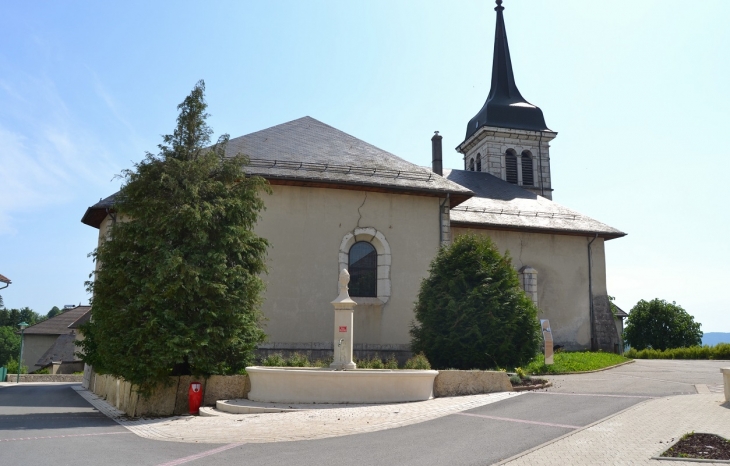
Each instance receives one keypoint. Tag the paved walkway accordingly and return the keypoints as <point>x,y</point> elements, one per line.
<point>636,434</point>
<point>681,397</point>
<point>302,425</point>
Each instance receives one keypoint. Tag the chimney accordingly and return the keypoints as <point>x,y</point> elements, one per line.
<point>437,165</point>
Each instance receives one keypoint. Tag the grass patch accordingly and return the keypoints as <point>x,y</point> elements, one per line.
<point>719,351</point>
<point>567,362</point>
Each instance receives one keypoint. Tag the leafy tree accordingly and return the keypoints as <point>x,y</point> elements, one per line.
<point>471,312</point>
<point>179,285</point>
<point>1,301</point>
<point>9,344</point>
<point>12,317</point>
<point>660,325</point>
<point>54,312</point>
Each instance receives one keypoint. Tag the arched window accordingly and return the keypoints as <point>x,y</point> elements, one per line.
<point>510,159</point>
<point>363,268</point>
<point>471,164</point>
<point>528,177</point>
<point>479,162</point>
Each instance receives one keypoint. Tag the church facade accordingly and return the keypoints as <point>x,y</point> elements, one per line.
<point>338,202</point>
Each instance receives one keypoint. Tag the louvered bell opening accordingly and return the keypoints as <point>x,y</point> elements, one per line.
<point>528,178</point>
<point>511,162</point>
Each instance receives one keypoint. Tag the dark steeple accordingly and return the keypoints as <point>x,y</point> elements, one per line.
<point>505,107</point>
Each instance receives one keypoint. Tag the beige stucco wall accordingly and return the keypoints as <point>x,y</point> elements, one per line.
<point>34,346</point>
<point>306,227</point>
<point>562,281</point>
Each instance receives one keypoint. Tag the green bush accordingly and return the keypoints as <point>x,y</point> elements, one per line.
<point>323,362</point>
<point>298,360</point>
<point>471,312</point>
<point>13,367</point>
<point>43,371</point>
<point>719,351</point>
<point>419,361</point>
<point>660,325</point>
<point>274,360</point>
<point>392,362</point>
<point>515,379</point>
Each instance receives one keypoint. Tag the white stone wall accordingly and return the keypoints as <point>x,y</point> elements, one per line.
<point>491,144</point>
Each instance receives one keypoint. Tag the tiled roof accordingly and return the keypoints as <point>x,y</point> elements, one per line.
<point>60,324</point>
<point>5,279</point>
<point>500,204</point>
<point>63,350</point>
<point>307,149</point>
<point>309,152</point>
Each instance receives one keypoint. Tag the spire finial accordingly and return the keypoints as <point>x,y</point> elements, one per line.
<point>505,107</point>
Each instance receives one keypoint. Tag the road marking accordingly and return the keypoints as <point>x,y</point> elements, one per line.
<point>597,394</point>
<point>187,459</point>
<point>523,421</point>
<point>61,436</point>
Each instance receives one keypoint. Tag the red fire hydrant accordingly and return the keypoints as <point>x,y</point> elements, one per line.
<point>195,397</point>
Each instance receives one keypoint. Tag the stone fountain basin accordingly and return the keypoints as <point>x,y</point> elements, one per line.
<point>323,385</point>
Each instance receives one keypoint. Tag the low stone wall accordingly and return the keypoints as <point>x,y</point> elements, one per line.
<point>460,383</point>
<point>170,399</point>
<point>26,378</point>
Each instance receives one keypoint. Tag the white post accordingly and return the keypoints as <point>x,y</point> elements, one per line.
<point>344,307</point>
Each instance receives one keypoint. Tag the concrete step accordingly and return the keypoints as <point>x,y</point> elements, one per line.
<point>244,406</point>
<point>209,412</point>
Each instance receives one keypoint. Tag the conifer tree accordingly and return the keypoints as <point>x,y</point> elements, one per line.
<point>471,312</point>
<point>178,289</point>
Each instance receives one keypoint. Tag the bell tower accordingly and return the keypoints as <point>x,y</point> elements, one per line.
<point>508,137</point>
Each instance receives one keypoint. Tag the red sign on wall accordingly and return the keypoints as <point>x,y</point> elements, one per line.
<point>343,328</point>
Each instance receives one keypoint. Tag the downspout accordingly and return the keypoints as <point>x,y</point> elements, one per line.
<point>539,156</point>
<point>590,294</point>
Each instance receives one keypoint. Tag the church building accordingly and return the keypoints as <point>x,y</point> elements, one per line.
<point>338,202</point>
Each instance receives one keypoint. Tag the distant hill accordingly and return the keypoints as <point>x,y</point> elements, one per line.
<point>713,338</point>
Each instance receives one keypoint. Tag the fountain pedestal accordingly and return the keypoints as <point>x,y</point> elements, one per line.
<point>344,309</point>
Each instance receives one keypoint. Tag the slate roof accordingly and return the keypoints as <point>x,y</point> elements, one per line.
<point>96,214</point>
<point>60,324</point>
<point>309,150</point>
<point>499,204</point>
<point>505,107</point>
<point>620,312</point>
<point>63,350</point>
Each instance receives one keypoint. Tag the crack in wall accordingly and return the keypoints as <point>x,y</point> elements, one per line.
<point>360,213</point>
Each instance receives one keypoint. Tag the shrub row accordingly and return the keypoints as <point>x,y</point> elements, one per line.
<point>418,361</point>
<point>719,351</point>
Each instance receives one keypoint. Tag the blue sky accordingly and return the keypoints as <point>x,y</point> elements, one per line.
<point>636,90</point>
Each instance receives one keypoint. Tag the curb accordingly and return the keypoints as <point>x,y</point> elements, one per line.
<point>587,372</point>
<point>538,386</point>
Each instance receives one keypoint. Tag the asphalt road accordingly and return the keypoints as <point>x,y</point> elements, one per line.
<point>52,424</point>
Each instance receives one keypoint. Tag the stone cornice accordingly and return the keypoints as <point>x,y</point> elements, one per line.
<point>493,131</point>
